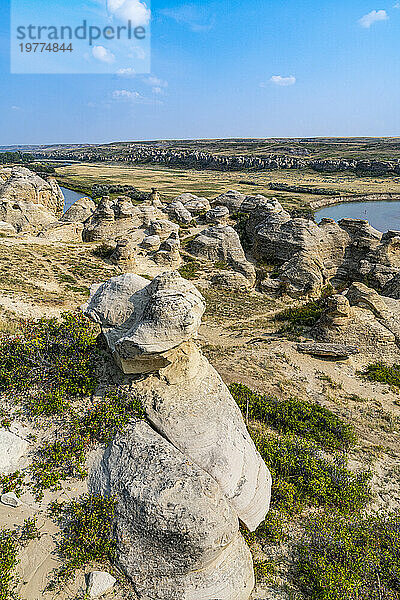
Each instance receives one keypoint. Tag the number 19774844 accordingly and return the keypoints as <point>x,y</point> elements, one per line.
<point>43,47</point>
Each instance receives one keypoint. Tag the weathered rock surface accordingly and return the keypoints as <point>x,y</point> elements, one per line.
<point>10,499</point>
<point>143,321</point>
<point>222,243</point>
<point>217,215</point>
<point>335,351</point>
<point>12,447</point>
<point>178,212</point>
<point>120,219</point>
<point>81,210</point>
<point>100,582</point>
<point>176,534</point>
<point>7,228</point>
<point>61,231</point>
<point>25,215</point>
<point>231,199</point>
<point>25,186</point>
<point>308,256</point>
<point>196,412</point>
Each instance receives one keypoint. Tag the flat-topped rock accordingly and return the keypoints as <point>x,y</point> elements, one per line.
<point>334,351</point>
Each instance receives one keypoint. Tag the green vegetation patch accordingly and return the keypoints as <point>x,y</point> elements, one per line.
<point>383,373</point>
<point>306,315</point>
<point>353,558</point>
<point>190,269</point>
<point>65,457</point>
<point>87,527</point>
<point>9,548</point>
<point>302,475</point>
<point>310,420</point>
<point>50,362</point>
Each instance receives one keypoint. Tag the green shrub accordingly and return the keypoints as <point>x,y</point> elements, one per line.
<point>57,461</point>
<point>50,361</point>
<point>306,315</point>
<point>109,417</point>
<point>310,420</point>
<point>302,475</point>
<point>87,527</point>
<point>190,269</point>
<point>29,530</point>
<point>65,457</point>
<point>383,373</point>
<point>8,561</point>
<point>14,482</point>
<point>356,558</point>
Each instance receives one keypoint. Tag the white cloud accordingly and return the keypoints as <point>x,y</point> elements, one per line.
<point>397,5</point>
<point>197,18</point>
<point>282,81</point>
<point>373,17</point>
<point>15,108</point>
<point>130,10</point>
<point>157,85</point>
<point>128,72</point>
<point>126,95</point>
<point>102,54</point>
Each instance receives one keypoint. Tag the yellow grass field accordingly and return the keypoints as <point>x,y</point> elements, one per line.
<point>172,182</point>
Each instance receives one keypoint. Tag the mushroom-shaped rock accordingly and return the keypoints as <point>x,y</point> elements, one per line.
<point>149,329</point>
<point>149,321</point>
<point>176,534</point>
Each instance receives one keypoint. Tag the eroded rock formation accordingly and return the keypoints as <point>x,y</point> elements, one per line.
<point>185,478</point>
<point>27,201</point>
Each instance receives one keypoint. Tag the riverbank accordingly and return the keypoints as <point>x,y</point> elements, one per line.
<point>331,200</point>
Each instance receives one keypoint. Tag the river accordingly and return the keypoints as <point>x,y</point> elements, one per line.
<point>382,214</point>
<point>70,197</point>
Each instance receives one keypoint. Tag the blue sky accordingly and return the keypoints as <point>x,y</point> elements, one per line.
<point>224,68</point>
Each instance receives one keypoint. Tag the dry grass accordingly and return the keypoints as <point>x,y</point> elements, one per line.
<point>172,182</point>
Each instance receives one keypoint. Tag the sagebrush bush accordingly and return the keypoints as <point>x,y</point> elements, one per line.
<point>50,362</point>
<point>383,373</point>
<point>87,527</point>
<point>310,420</point>
<point>8,561</point>
<point>350,558</point>
<point>303,475</point>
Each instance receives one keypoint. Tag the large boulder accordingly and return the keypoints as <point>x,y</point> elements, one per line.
<point>26,216</point>
<point>222,243</point>
<point>24,185</point>
<point>232,200</point>
<point>81,210</point>
<point>143,322</point>
<point>177,535</point>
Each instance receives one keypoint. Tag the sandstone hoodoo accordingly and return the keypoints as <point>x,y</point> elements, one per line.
<point>28,202</point>
<point>184,478</point>
<point>309,256</point>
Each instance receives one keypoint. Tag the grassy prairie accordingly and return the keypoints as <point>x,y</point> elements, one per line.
<point>172,182</point>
